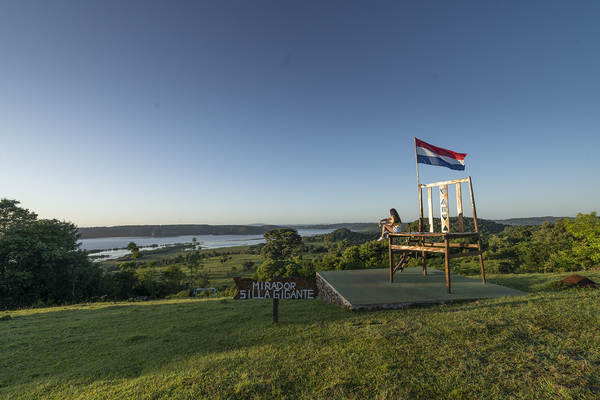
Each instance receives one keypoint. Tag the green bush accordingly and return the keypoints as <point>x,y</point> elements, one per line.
<point>181,295</point>
<point>270,268</point>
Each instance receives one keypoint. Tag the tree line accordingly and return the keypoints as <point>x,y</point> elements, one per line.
<point>41,262</point>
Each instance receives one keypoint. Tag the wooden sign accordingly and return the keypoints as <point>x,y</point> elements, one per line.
<point>285,288</point>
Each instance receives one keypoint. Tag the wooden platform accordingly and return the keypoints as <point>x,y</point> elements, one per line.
<point>371,288</point>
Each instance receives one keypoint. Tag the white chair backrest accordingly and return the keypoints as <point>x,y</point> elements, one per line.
<point>444,206</point>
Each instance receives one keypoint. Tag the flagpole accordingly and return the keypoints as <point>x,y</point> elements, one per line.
<point>419,189</point>
<point>417,162</point>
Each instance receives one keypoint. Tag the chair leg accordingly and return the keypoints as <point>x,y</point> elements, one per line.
<point>447,263</point>
<point>481,261</point>
<point>391,259</point>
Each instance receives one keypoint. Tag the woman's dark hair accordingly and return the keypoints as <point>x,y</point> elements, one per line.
<point>394,213</point>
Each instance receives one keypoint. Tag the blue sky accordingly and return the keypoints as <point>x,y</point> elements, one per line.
<point>239,112</point>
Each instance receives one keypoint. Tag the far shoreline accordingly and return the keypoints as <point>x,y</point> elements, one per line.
<point>165,231</point>
<point>168,231</point>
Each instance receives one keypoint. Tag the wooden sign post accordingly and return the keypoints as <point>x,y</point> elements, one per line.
<point>284,288</point>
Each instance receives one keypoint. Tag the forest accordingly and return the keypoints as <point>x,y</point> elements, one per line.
<point>41,263</point>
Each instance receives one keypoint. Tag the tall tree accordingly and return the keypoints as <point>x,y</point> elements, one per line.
<point>586,228</point>
<point>11,214</point>
<point>281,244</point>
<point>135,252</point>
<point>193,262</point>
<point>146,280</point>
<point>40,260</point>
<point>172,280</point>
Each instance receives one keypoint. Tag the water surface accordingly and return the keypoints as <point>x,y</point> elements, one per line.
<point>206,241</point>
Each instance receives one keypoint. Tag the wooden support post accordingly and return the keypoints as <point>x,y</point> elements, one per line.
<point>430,216</point>
<point>481,260</point>
<point>473,205</point>
<point>447,263</point>
<point>275,304</point>
<point>430,209</point>
<point>461,226</point>
<point>391,259</point>
<point>275,310</point>
<point>476,228</point>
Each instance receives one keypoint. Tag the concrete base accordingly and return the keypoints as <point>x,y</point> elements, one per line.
<point>371,288</point>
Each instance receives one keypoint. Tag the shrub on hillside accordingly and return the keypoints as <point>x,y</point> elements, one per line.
<point>271,268</point>
<point>181,295</point>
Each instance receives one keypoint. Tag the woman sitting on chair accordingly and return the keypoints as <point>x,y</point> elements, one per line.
<point>390,225</point>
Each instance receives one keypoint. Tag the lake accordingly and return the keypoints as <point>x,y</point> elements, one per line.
<point>206,241</point>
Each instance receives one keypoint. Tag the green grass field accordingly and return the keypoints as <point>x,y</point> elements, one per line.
<point>542,346</point>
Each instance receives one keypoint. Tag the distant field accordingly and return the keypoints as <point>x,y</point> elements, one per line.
<point>541,346</point>
<point>221,274</point>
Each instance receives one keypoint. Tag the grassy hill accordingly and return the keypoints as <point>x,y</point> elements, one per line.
<point>544,345</point>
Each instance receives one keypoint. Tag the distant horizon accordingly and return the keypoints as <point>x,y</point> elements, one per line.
<point>316,224</point>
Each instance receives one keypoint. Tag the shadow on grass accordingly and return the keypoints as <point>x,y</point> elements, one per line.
<point>126,340</point>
